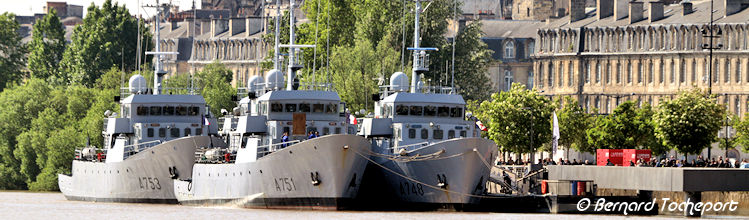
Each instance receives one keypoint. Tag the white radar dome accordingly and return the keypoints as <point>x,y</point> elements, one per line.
<point>399,82</point>
<point>138,84</point>
<point>274,79</point>
<point>255,83</point>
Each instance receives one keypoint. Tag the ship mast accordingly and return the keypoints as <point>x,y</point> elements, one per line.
<point>158,72</point>
<point>421,59</point>
<point>294,63</point>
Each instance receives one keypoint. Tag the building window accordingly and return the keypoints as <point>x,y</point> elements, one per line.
<point>541,76</point>
<point>570,74</point>
<point>737,109</point>
<point>531,47</point>
<point>716,70</point>
<point>727,71</point>
<point>587,72</point>
<point>651,69</point>
<point>694,71</point>
<point>618,72</point>
<point>598,71</point>
<point>661,72</point>
<point>508,80</point>
<point>550,80</point>
<point>629,72</point>
<point>509,49</point>
<point>639,72</point>
<point>561,75</point>
<point>682,71</point>
<point>530,79</point>
<point>673,71</point>
<point>738,71</point>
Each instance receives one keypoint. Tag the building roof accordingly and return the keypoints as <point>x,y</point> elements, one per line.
<point>672,15</point>
<point>510,28</point>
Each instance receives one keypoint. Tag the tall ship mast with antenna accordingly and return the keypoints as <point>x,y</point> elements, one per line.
<point>149,144</point>
<point>288,148</point>
<point>425,153</point>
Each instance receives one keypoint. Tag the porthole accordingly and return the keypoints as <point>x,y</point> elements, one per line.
<point>261,171</point>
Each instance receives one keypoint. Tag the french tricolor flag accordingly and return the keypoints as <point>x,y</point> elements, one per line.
<point>481,125</point>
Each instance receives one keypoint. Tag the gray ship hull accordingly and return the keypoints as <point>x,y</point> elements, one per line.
<point>283,179</point>
<point>141,178</point>
<point>451,180</point>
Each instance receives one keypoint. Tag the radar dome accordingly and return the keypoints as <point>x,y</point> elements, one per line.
<point>399,82</point>
<point>255,83</point>
<point>138,84</point>
<point>274,79</point>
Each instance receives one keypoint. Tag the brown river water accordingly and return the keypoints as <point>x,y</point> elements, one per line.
<point>53,206</point>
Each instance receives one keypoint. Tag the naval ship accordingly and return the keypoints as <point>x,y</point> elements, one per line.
<point>425,154</point>
<point>272,162</point>
<point>151,142</point>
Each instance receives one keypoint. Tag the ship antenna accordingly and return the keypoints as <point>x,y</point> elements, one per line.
<point>455,38</point>
<point>276,65</point>
<point>421,59</point>
<point>294,63</point>
<point>158,72</point>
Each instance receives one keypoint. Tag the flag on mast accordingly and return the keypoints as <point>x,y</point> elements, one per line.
<point>555,135</point>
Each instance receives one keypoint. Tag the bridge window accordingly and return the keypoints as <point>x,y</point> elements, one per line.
<point>181,110</point>
<point>318,108</point>
<point>194,110</point>
<point>149,132</point>
<point>412,133</point>
<point>304,107</point>
<point>325,131</point>
<point>416,110</point>
<point>456,112</point>
<point>424,133</point>
<point>168,110</point>
<point>162,132</point>
<point>290,107</point>
<point>187,132</point>
<point>198,131</point>
<point>276,107</point>
<point>174,132</point>
<point>332,108</point>
<point>430,110</point>
<point>338,130</point>
<point>443,111</point>
<point>155,110</point>
<point>450,134</point>
<point>401,110</point>
<point>463,133</point>
<point>141,110</point>
<point>437,134</point>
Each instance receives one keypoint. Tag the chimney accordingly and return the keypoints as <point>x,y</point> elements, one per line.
<point>635,12</point>
<point>604,8</point>
<point>733,6</point>
<point>656,11</point>
<point>687,8</point>
<point>218,26</point>
<point>620,9</point>
<point>577,10</point>
<point>190,22</point>
<point>174,25</point>
<point>253,25</point>
<point>237,25</point>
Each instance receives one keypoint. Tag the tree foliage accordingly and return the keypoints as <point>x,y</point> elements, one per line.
<point>46,47</point>
<point>690,122</point>
<point>573,123</point>
<point>742,132</point>
<point>626,128</point>
<point>212,83</point>
<point>12,51</point>
<point>512,115</point>
<point>106,39</point>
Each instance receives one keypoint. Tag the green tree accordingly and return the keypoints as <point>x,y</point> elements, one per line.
<point>214,85</point>
<point>690,122</point>
<point>46,47</point>
<point>621,130</point>
<point>573,123</point>
<point>12,51</point>
<point>512,115</point>
<point>106,39</point>
<point>742,132</point>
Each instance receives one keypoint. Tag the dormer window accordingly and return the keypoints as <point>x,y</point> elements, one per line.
<point>509,50</point>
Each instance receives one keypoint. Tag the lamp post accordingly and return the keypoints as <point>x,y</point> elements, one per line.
<point>532,153</point>
<point>727,134</point>
<point>710,34</point>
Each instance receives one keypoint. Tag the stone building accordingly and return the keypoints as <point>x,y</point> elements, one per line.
<point>512,42</point>
<point>646,52</point>
<point>533,9</point>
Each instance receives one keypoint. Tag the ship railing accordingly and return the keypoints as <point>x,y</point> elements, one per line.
<point>82,153</point>
<point>390,89</point>
<point>125,91</point>
<point>410,147</point>
<point>270,148</point>
<point>135,148</point>
<point>261,88</point>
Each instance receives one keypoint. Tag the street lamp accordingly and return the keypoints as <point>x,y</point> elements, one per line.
<point>710,34</point>
<point>726,134</point>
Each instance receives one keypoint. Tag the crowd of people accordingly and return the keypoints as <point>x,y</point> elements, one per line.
<point>720,162</point>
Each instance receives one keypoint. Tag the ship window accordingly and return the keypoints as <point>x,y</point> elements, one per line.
<point>304,107</point>
<point>338,130</point>
<point>456,112</point>
<point>187,132</point>
<point>149,132</point>
<point>401,110</point>
<point>276,107</point>
<point>437,134</point>
<point>290,107</point>
<point>263,109</point>
<point>424,133</point>
<point>430,110</point>
<point>141,110</point>
<point>181,110</point>
<point>155,110</point>
<point>175,132</point>
<point>198,131</point>
<point>162,132</point>
<point>412,133</point>
<point>168,110</point>
<point>332,108</point>
<point>450,134</point>
<point>443,111</point>
<point>194,110</point>
<point>463,134</point>
<point>325,131</point>
<point>318,108</point>
<point>416,110</point>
